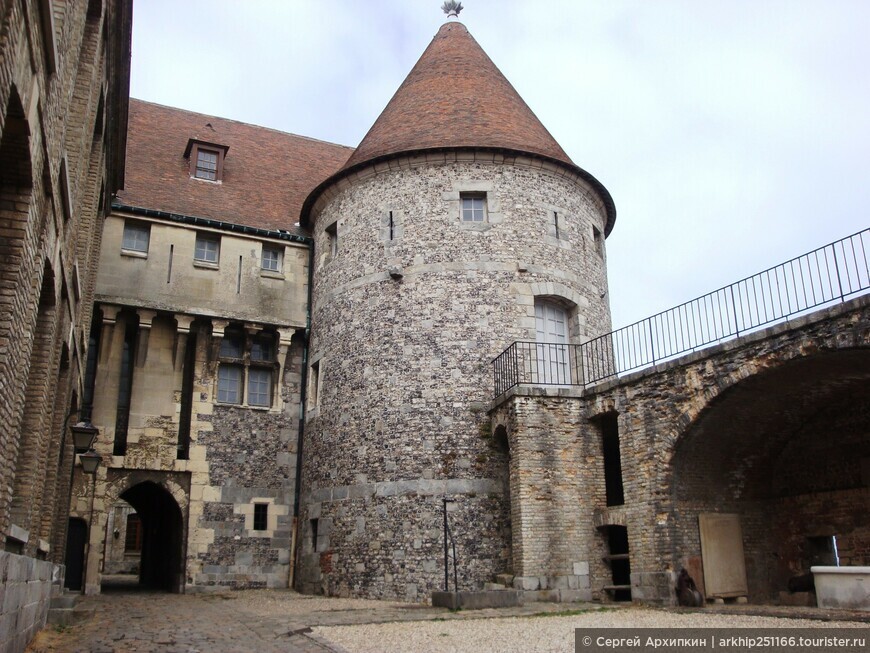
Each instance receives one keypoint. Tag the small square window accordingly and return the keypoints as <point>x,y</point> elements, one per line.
<point>272,258</point>
<point>136,237</point>
<point>206,164</point>
<point>207,249</point>
<point>261,516</point>
<point>473,207</point>
<point>230,384</point>
<point>259,387</point>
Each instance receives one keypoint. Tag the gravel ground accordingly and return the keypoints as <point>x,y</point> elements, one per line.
<point>534,634</point>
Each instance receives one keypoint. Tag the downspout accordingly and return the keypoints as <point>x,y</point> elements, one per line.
<point>303,399</point>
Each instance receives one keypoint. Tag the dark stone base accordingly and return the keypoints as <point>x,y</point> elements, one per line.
<point>477,600</point>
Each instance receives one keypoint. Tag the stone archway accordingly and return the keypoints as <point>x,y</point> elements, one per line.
<point>162,536</point>
<point>786,451</point>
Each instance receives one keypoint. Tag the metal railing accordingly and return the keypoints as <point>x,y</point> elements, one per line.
<point>826,275</point>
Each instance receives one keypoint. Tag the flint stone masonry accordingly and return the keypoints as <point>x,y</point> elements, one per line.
<point>741,427</point>
<point>404,364</point>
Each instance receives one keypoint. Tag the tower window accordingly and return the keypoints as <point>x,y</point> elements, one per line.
<point>332,239</point>
<point>473,207</point>
<point>598,241</point>
<point>261,516</point>
<point>314,385</point>
<point>136,237</point>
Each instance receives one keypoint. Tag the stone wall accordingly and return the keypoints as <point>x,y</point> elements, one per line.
<point>26,588</point>
<point>771,426</point>
<point>403,332</point>
<point>60,83</point>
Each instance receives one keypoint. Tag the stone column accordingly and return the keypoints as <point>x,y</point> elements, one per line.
<point>182,328</point>
<point>146,317</point>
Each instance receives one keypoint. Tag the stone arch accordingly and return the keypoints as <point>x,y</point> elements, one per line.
<point>16,192</point>
<point>33,439</point>
<point>760,447</point>
<point>162,502</point>
<point>557,293</point>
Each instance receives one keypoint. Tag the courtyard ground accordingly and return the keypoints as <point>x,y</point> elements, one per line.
<point>282,621</point>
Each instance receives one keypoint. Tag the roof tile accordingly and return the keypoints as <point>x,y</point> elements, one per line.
<point>267,174</point>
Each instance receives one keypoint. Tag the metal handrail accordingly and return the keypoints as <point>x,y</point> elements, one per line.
<point>826,275</point>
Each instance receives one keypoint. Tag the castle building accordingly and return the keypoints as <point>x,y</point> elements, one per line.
<point>306,363</point>
<point>253,433</point>
<point>64,87</point>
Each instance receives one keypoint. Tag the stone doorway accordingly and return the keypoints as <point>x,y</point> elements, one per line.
<point>77,537</point>
<point>162,531</point>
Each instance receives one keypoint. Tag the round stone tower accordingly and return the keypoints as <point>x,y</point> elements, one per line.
<point>457,227</point>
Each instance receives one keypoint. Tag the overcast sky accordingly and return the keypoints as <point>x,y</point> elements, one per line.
<point>732,135</point>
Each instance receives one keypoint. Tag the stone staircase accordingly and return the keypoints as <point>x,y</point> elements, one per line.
<point>62,610</point>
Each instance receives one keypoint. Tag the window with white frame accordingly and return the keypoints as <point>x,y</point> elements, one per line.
<point>272,258</point>
<point>473,207</point>
<point>136,236</point>
<point>207,249</point>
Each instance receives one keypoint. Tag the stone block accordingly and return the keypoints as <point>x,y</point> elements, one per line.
<point>526,583</point>
<point>581,568</point>
<point>545,596</point>
<point>574,596</point>
<point>477,600</point>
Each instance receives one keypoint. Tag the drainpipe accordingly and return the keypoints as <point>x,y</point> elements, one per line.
<point>303,399</point>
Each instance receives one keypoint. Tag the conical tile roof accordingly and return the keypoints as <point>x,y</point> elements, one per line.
<point>456,98</point>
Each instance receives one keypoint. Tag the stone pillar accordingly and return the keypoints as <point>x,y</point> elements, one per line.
<point>182,328</point>
<point>146,317</point>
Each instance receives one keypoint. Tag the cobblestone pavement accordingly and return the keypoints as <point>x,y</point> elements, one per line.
<point>281,621</point>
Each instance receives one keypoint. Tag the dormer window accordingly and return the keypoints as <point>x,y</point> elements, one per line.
<point>206,164</point>
<point>206,160</point>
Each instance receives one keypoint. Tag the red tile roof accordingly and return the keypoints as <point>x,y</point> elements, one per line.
<point>267,174</point>
<point>456,97</point>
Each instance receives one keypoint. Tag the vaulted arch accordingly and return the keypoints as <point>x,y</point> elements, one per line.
<point>785,450</point>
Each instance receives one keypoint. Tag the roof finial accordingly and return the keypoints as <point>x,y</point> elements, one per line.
<point>451,8</point>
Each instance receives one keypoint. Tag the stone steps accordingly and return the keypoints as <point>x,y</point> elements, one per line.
<point>62,610</point>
